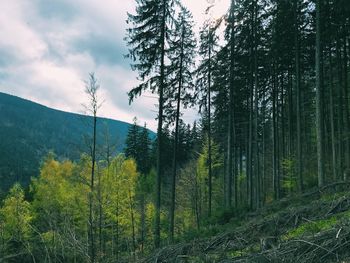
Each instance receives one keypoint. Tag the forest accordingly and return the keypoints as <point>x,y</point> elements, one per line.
<point>270,81</point>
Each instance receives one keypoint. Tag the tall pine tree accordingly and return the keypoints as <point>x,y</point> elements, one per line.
<point>147,39</point>
<point>182,52</point>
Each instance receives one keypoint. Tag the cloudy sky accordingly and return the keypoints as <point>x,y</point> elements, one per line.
<point>48,47</point>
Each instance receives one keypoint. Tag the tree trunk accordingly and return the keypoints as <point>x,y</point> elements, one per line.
<point>247,170</point>
<point>346,105</point>
<point>143,222</point>
<point>209,132</point>
<point>298,97</point>
<point>263,157</point>
<point>331,110</point>
<point>173,179</point>
<point>100,213</point>
<point>230,135</point>
<point>117,231</point>
<point>91,223</point>
<point>256,109</point>
<point>251,115</point>
<point>290,116</point>
<point>250,149</point>
<point>319,110</point>
<point>160,131</point>
<point>240,174</point>
<point>132,225</point>
<point>340,108</point>
<point>235,175</point>
<point>274,138</point>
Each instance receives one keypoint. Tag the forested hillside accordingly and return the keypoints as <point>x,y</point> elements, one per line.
<point>261,176</point>
<point>29,131</point>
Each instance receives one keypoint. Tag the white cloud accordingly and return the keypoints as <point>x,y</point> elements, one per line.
<point>17,36</point>
<point>50,70</point>
<point>49,48</point>
<point>115,83</point>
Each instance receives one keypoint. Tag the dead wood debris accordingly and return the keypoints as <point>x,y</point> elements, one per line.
<point>244,244</point>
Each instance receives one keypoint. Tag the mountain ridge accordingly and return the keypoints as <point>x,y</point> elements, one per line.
<point>59,110</point>
<point>29,131</point>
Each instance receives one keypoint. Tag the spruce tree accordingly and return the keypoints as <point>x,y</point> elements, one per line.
<point>144,156</point>
<point>147,38</point>
<point>182,51</point>
<point>131,149</point>
<point>231,130</point>
<point>208,42</point>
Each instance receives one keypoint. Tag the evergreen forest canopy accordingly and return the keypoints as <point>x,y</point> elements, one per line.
<point>270,80</point>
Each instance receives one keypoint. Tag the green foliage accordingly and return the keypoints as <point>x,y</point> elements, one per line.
<point>60,202</point>
<point>118,188</point>
<point>314,227</point>
<point>146,50</point>
<point>32,130</point>
<point>146,182</point>
<point>16,216</point>
<point>289,182</point>
<point>311,228</point>
<point>138,147</point>
<point>266,62</point>
<point>202,174</point>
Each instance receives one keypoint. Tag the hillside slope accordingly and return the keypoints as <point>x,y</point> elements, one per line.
<point>314,227</point>
<point>28,131</point>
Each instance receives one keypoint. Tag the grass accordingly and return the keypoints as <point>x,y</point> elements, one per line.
<point>311,228</point>
<point>314,227</point>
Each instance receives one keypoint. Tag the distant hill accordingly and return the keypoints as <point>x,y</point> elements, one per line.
<point>28,131</point>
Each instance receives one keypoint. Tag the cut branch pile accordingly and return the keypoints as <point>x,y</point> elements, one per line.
<point>327,246</point>
<point>263,238</point>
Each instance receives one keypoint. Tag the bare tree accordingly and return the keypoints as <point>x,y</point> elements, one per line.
<point>91,89</point>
